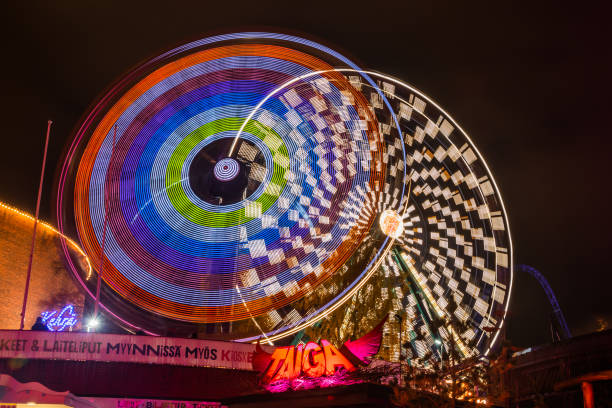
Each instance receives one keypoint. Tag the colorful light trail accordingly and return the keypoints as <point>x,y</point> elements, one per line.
<point>245,190</point>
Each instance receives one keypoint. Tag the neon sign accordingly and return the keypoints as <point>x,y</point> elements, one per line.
<point>314,360</point>
<point>59,320</point>
<point>311,360</point>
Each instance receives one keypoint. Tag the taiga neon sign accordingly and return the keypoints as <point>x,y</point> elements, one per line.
<point>314,360</point>
<point>60,320</point>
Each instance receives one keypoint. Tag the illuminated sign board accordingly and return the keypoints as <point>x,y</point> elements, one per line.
<point>311,360</point>
<point>314,360</point>
<point>126,348</point>
<point>60,319</point>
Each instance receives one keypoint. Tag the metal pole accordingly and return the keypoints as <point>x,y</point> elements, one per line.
<point>40,185</point>
<point>400,350</point>
<point>95,315</point>
<point>399,319</point>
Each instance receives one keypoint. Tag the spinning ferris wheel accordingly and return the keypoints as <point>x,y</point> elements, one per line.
<point>254,185</point>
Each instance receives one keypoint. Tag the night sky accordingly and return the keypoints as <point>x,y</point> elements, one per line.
<point>530,86</point>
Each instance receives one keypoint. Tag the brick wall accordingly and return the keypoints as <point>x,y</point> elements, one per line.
<point>51,285</point>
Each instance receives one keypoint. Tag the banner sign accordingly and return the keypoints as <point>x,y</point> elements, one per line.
<point>125,348</point>
<point>150,403</point>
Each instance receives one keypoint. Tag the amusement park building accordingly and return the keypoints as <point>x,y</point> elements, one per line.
<point>51,286</point>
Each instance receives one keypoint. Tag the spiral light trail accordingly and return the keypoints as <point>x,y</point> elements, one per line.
<point>247,181</point>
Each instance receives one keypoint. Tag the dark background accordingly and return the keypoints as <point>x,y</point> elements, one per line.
<point>529,82</point>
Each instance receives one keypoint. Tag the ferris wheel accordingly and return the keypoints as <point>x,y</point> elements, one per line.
<point>252,185</point>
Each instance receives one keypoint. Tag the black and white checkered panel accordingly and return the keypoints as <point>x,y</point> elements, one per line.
<point>455,238</point>
<point>336,131</point>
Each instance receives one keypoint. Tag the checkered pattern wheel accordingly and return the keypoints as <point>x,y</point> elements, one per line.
<point>454,243</point>
<point>236,185</point>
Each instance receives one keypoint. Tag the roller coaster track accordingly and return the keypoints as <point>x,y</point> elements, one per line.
<point>565,332</point>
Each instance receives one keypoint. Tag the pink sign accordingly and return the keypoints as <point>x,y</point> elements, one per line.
<point>314,360</point>
<point>151,403</point>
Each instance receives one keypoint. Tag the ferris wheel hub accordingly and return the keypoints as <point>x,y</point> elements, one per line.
<point>226,169</point>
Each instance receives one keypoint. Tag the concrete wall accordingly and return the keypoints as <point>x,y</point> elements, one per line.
<point>51,285</point>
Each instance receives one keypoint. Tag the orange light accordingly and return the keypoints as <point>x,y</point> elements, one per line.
<point>334,359</point>
<point>312,360</point>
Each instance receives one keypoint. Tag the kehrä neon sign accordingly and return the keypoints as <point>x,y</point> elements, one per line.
<point>60,320</point>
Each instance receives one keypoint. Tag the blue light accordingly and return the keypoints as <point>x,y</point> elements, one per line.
<point>60,320</point>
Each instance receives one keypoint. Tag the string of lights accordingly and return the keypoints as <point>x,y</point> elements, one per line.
<point>52,229</point>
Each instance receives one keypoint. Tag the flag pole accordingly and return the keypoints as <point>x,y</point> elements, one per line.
<point>96,307</point>
<point>40,186</point>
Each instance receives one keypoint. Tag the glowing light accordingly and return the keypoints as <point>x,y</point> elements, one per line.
<point>312,360</point>
<point>93,323</point>
<point>501,201</point>
<point>391,224</point>
<point>226,169</point>
<point>329,308</point>
<point>60,320</point>
<point>439,312</point>
<point>152,261</point>
<point>333,305</point>
<point>308,383</point>
<point>206,236</point>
